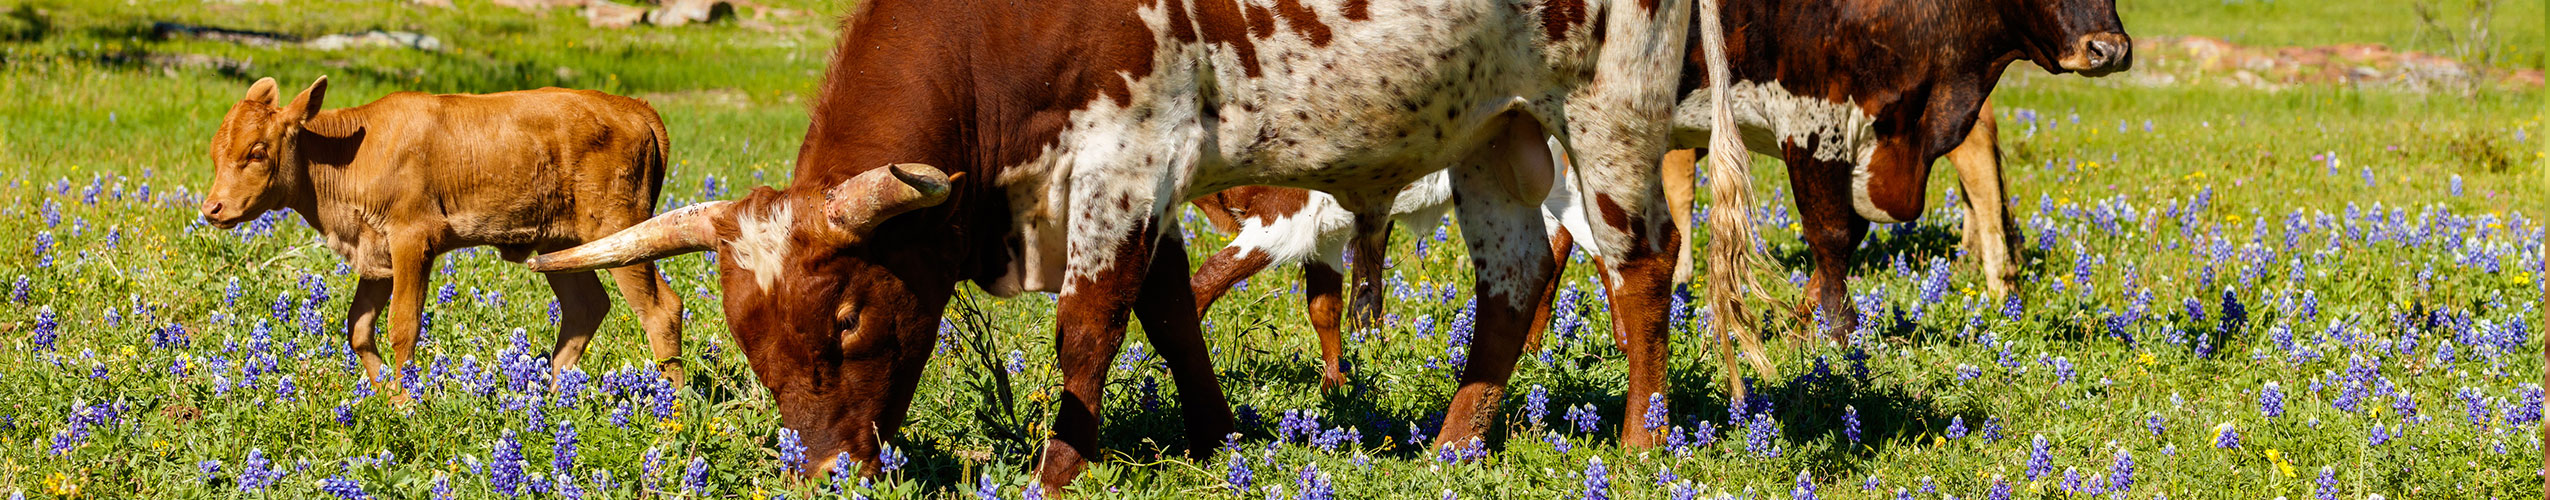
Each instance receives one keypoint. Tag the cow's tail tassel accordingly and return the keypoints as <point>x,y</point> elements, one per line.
<point>1732,239</point>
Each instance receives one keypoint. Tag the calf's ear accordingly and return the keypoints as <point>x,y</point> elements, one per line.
<point>262,92</point>
<point>307,104</point>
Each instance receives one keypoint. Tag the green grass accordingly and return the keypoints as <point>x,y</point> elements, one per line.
<point>83,113</point>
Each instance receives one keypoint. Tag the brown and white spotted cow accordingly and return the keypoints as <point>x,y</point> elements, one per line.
<point>1042,149</point>
<point>1859,98</point>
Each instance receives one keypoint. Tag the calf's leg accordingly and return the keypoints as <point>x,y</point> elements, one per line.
<point>1990,232</point>
<point>1224,270</point>
<point>581,307</point>
<point>410,263</point>
<point>659,310</point>
<point>1322,288</point>
<point>370,294</point>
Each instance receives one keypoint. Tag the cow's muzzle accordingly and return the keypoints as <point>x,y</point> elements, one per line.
<point>215,213</point>
<point>2099,54</point>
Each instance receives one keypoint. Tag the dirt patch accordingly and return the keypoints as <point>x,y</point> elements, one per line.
<point>2196,59</point>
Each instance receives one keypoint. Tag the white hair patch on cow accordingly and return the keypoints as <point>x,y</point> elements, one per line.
<point>761,242</point>
<point>1770,116</point>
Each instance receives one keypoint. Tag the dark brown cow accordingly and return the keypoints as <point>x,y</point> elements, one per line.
<point>392,184</point>
<point>1860,98</point>
<point>1074,127</point>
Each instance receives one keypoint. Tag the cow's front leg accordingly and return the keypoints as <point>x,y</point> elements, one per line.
<point>1509,252</point>
<point>370,295</point>
<point>1167,308</point>
<point>1089,321</point>
<point>1990,232</point>
<point>410,263</point>
<point>1832,229</point>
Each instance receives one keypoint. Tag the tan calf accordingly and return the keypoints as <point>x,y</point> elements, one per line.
<point>392,184</point>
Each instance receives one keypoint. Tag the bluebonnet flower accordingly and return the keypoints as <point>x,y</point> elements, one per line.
<point>563,452</point>
<point>2062,370</point>
<point>1315,485</point>
<point>1967,372</point>
<point>207,470</point>
<point>2120,474</point>
<point>2040,458</point>
<point>1991,429</point>
<point>695,476</point>
<point>1850,422</point>
<point>1759,435</point>
<point>283,388</point>
<point>792,454</point>
<point>1017,362</point>
<point>256,473</point>
<point>2072,481</point>
<point>1656,411</point>
<point>2379,435</point>
<point>842,469</point>
<point>888,458</point>
<point>2528,407</point>
<point>1536,405</point>
<point>1597,480</point>
<point>506,475</point>
<point>1556,443</point>
<point>1956,427</point>
<point>1239,476</point>
<point>2226,436</point>
<point>2271,400</point>
<point>1805,489</point>
<point>344,414</point>
<point>2000,489</point>
<point>2475,406</point>
<point>18,292</point>
<point>565,485</point>
<point>343,489</point>
<point>1584,418</point>
<point>2328,484</point>
<point>43,335</point>
<point>44,249</point>
<point>987,489</point>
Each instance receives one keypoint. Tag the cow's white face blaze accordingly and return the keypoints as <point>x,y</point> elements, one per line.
<point>255,154</point>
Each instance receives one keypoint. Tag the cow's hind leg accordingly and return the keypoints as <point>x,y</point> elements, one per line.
<point>1832,230</point>
<point>1167,310</point>
<point>1370,245</point>
<point>659,310</point>
<point>1634,241</point>
<point>1509,251</point>
<point>1990,232</point>
<point>581,307</point>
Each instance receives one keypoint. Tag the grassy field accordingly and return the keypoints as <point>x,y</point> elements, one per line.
<point>2345,281</point>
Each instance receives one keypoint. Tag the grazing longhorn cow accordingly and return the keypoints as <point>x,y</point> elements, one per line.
<point>1860,98</point>
<point>1042,149</point>
<point>392,184</point>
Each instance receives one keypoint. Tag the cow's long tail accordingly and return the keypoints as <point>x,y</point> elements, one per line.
<point>1732,240</point>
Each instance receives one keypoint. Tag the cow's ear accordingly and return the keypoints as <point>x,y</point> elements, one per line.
<point>858,205</point>
<point>262,92</point>
<point>307,104</point>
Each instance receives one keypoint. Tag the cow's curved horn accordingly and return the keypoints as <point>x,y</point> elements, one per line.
<point>858,205</point>
<point>685,230</point>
